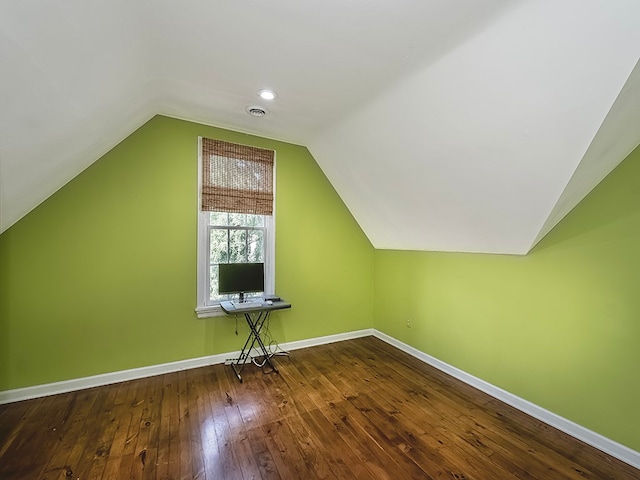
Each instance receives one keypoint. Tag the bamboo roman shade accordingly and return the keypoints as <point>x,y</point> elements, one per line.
<point>236,178</point>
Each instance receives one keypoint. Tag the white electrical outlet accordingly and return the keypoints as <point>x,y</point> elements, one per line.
<point>408,323</point>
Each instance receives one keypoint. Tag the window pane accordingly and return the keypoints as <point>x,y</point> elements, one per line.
<point>218,250</point>
<point>255,246</point>
<point>218,218</point>
<point>255,221</point>
<point>237,219</point>
<point>237,246</point>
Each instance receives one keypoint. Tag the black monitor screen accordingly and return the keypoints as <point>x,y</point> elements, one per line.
<point>240,277</point>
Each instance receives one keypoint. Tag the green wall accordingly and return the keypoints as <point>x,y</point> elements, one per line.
<point>559,327</point>
<point>102,276</point>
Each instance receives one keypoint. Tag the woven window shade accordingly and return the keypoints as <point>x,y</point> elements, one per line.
<point>236,178</point>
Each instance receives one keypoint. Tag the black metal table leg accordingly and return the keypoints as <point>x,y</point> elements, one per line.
<point>255,326</point>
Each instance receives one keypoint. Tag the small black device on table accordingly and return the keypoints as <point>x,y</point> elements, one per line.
<point>241,278</point>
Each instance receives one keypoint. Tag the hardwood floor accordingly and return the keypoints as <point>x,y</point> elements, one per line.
<point>358,409</point>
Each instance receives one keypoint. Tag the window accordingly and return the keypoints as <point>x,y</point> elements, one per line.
<point>235,215</point>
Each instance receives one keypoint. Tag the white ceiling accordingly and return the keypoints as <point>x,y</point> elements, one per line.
<point>453,125</point>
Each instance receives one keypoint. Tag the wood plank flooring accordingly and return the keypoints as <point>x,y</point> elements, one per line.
<point>358,409</point>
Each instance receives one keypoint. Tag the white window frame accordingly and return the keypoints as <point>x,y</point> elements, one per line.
<point>205,308</point>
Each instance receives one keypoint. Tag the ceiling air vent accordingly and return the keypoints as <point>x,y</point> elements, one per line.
<point>256,111</point>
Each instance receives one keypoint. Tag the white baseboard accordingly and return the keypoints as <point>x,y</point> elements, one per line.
<point>312,342</point>
<point>18,394</point>
<point>594,439</point>
<point>65,386</point>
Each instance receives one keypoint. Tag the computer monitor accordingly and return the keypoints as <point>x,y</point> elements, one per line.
<point>240,278</point>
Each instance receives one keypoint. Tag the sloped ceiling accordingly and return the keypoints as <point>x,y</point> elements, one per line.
<point>452,125</point>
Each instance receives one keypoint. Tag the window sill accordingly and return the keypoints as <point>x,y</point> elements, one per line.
<point>210,311</point>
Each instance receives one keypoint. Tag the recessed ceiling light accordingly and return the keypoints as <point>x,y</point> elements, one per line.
<point>256,111</point>
<point>267,94</point>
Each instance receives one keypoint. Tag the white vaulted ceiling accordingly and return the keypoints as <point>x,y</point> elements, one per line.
<point>453,125</point>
